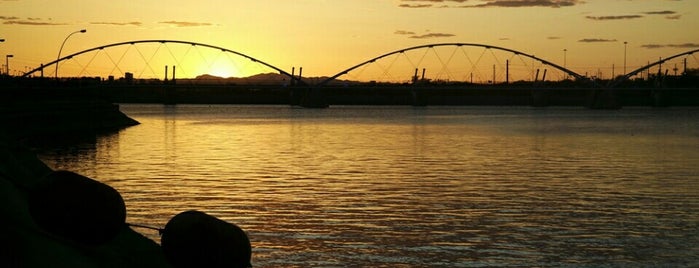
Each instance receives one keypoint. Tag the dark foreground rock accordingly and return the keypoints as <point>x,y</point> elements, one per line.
<point>77,208</point>
<point>195,239</point>
<point>23,241</point>
<point>63,219</point>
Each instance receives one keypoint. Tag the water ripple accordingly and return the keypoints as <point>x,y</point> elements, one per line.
<point>413,187</point>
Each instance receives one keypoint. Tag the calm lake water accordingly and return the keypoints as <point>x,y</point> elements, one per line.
<point>415,186</point>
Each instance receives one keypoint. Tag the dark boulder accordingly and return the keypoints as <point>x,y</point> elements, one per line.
<point>196,239</point>
<point>77,208</point>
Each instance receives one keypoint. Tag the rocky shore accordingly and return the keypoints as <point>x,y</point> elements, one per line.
<point>23,242</point>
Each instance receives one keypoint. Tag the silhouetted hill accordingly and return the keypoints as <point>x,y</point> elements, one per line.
<point>257,79</point>
<point>264,78</point>
<point>207,77</point>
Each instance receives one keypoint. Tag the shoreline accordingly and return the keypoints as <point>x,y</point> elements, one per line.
<point>23,243</point>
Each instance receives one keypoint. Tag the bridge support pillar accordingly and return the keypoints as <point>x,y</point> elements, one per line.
<point>539,97</point>
<point>418,96</point>
<point>169,94</point>
<point>658,97</point>
<point>295,95</point>
<point>604,98</point>
<point>313,98</point>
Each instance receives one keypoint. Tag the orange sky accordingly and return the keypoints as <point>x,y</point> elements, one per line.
<point>327,36</point>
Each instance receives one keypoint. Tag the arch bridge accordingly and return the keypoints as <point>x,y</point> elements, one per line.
<point>439,56</point>
<point>617,81</point>
<point>445,62</point>
<point>146,59</point>
<point>612,83</point>
<point>297,79</point>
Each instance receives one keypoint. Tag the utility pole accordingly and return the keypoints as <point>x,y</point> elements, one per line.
<point>7,64</point>
<point>565,52</point>
<point>493,74</point>
<point>625,57</point>
<point>293,74</point>
<point>675,69</point>
<point>507,72</point>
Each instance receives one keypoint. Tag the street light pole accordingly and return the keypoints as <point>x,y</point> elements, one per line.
<point>7,64</point>
<point>64,42</point>
<point>565,52</point>
<point>625,57</point>
<point>2,40</point>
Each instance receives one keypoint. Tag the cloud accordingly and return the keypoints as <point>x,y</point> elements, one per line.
<point>596,40</point>
<point>428,3</point>
<point>664,12</point>
<point>436,1</point>
<point>401,32</point>
<point>186,23</point>
<point>684,45</point>
<point>492,3</point>
<point>652,46</point>
<point>621,17</point>
<point>527,3</point>
<point>669,14</point>
<point>415,6</point>
<point>132,23</point>
<point>414,35</point>
<point>32,23</point>
<point>29,21</point>
<point>431,35</point>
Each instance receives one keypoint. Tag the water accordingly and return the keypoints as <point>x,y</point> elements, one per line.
<point>416,187</point>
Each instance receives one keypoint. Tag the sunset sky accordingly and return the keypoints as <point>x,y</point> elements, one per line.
<point>328,36</point>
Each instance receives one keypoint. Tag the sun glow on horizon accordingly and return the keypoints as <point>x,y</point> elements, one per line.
<point>223,72</point>
<point>591,37</point>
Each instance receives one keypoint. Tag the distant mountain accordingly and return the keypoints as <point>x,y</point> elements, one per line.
<point>265,78</point>
<point>268,77</point>
<point>208,77</point>
<point>260,79</point>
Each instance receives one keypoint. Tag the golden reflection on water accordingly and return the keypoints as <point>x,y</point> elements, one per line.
<point>403,186</point>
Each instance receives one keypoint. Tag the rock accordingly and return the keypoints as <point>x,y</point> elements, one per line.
<point>196,239</point>
<point>77,208</point>
<point>23,242</point>
<point>19,165</point>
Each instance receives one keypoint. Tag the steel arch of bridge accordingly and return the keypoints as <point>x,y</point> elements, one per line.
<point>163,42</point>
<point>626,77</point>
<point>568,71</point>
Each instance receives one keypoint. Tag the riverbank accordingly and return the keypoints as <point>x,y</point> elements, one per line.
<point>418,95</point>
<point>25,122</point>
<point>673,91</point>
